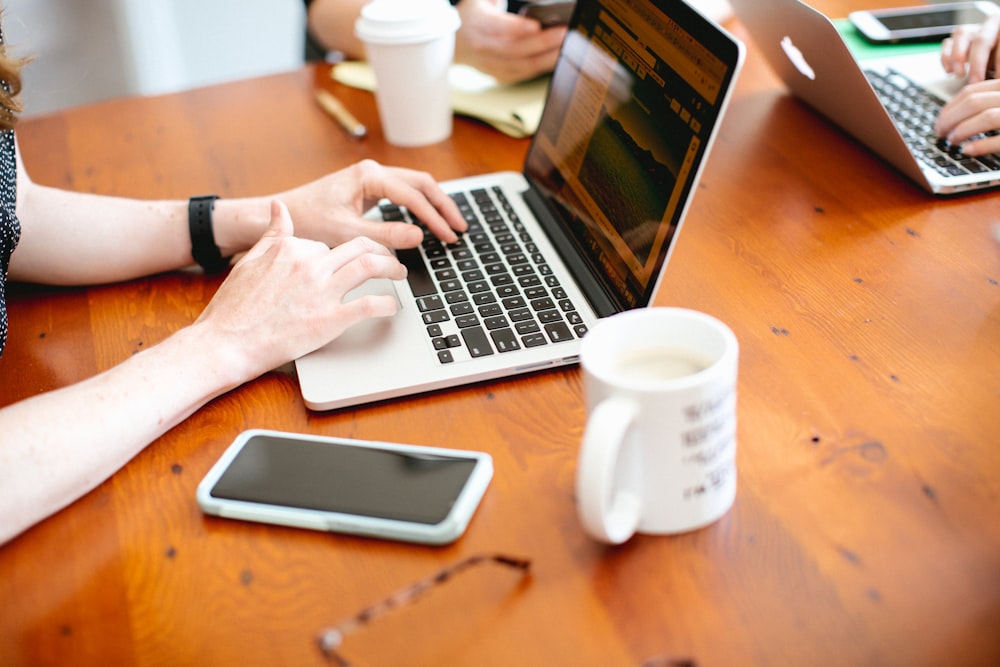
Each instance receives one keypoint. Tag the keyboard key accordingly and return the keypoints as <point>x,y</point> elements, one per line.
<point>504,340</point>
<point>435,317</point>
<point>477,342</point>
<point>521,315</point>
<point>527,327</point>
<point>498,322</point>
<point>490,310</point>
<point>558,332</point>
<point>419,278</point>
<point>483,298</point>
<point>534,340</point>
<point>543,304</point>
<point>427,303</point>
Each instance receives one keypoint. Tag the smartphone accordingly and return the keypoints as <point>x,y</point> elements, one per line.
<point>549,12</point>
<point>377,489</point>
<point>927,23</point>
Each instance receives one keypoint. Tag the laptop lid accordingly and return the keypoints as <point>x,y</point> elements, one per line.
<point>808,53</point>
<point>634,104</point>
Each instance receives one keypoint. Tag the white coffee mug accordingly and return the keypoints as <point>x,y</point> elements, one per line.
<point>659,451</point>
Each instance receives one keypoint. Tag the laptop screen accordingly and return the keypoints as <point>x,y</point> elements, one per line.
<point>634,98</point>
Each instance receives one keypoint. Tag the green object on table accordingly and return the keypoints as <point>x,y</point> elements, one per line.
<point>863,49</point>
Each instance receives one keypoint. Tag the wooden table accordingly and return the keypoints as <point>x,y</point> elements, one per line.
<point>866,530</point>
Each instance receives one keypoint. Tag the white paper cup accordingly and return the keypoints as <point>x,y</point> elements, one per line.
<point>410,45</point>
<point>659,451</point>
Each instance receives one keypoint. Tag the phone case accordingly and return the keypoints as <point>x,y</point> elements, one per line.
<point>444,532</point>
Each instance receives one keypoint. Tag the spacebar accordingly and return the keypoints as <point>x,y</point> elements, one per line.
<point>421,283</point>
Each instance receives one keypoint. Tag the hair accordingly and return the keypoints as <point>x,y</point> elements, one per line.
<point>10,77</point>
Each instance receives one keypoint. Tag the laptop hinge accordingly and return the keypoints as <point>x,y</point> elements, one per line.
<point>593,290</point>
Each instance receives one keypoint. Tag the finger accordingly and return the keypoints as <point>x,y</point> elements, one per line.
<point>420,193</point>
<point>974,114</point>
<point>394,235</point>
<point>948,61</point>
<point>981,49</point>
<point>281,220</point>
<point>361,259</point>
<point>279,226</point>
<point>984,146</point>
<point>367,307</point>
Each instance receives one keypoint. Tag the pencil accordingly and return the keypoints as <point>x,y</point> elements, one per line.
<point>335,108</point>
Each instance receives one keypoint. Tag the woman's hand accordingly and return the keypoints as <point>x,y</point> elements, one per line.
<point>285,297</point>
<point>330,209</point>
<point>974,111</point>
<point>506,46</point>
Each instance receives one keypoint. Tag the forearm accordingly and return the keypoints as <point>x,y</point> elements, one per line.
<point>73,238</point>
<point>56,447</point>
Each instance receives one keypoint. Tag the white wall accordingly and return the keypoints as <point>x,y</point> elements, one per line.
<point>89,50</point>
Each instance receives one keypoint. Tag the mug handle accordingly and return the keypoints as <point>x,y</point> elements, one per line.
<point>608,514</point>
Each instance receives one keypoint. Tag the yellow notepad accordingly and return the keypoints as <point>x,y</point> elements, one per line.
<point>514,109</point>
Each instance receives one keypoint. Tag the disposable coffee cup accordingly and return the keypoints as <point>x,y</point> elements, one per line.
<point>410,45</point>
<point>658,454</point>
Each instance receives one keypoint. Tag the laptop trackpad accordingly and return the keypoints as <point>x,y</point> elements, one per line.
<point>373,331</point>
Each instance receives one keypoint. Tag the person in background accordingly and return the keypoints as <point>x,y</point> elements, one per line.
<point>971,52</point>
<point>302,251</point>
<point>492,38</point>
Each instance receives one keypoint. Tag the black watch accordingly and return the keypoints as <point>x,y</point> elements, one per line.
<point>203,247</point>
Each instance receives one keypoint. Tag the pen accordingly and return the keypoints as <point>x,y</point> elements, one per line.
<point>333,106</point>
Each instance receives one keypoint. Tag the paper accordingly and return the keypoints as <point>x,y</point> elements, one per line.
<point>514,109</point>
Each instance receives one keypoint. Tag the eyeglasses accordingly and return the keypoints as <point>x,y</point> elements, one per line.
<point>331,639</point>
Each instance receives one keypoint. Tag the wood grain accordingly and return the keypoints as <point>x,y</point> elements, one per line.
<point>865,529</point>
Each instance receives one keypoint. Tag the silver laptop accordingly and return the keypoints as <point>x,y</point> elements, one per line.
<point>583,231</point>
<point>888,104</point>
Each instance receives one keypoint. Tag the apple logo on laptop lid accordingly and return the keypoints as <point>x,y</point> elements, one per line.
<point>795,55</point>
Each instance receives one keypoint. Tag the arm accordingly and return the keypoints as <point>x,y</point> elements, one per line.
<point>281,300</point>
<point>72,238</point>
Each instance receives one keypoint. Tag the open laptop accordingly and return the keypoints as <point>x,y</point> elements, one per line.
<point>872,98</point>
<point>584,231</point>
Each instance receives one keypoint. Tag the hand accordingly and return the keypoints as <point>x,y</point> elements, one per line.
<point>971,50</point>
<point>285,298</point>
<point>330,209</point>
<point>975,110</point>
<point>506,46</point>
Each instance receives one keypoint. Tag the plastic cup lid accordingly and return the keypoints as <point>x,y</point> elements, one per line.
<point>405,21</point>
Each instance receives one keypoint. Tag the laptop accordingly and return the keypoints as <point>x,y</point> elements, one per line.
<point>584,231</point>
<point>889,103</point>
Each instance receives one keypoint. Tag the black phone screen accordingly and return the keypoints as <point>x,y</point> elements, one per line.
<point>367,481</point>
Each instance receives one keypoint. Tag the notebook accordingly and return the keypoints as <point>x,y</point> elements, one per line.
<point>583,231</point>
<point>888,103</point>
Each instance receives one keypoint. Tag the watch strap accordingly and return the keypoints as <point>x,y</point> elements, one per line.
<point>203,247</point>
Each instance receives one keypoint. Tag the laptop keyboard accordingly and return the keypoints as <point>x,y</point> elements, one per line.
<point>915,111</point>
<point>491,292</point>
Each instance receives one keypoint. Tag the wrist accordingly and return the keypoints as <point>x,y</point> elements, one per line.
<point>239,223</point>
